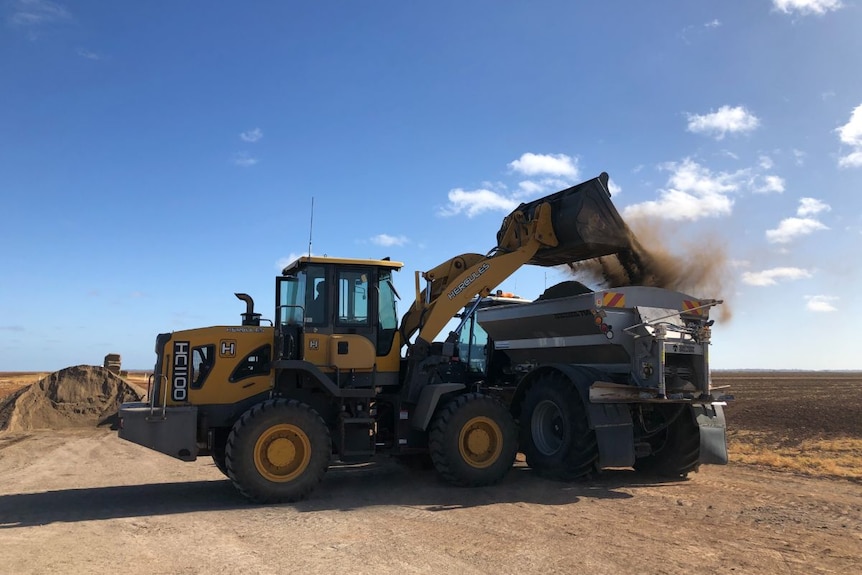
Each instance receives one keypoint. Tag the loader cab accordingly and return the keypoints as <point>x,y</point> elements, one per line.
<point>475,349</point>
<point>339,314</point>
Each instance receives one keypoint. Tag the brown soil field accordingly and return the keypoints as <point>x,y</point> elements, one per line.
<point>804,422</point>
<point>12,381</point>
<point>85,501</point>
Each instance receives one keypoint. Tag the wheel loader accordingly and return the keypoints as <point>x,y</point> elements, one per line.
<point>577,380</point>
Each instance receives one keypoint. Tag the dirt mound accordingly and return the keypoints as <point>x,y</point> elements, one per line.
<point>79,396</point>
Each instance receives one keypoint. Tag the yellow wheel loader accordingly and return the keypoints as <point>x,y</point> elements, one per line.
<point>334,375</point>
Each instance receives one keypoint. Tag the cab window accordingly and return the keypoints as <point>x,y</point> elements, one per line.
<point>353,298</point>
<point>202,363</point>
<point>316,302</point>
<point>255,363</point>
<point>472,346</point>
<point>387,314</point>
<point>291,300</point>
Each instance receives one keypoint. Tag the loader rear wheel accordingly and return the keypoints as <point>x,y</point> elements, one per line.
<point>473,441</point>
<point>555,433</point>
<point>676,450</point>
<point>278,451</point>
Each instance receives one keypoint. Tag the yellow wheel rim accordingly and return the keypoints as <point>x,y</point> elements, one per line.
<point>480,442</point>
<point>282,453</point>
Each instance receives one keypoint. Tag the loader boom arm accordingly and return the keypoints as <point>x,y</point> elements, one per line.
<point>572,225</point>
<point>452,284</point>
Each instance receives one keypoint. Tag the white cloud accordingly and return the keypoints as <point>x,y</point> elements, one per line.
<point>613,188</point>
<point>534,188</point>
<point>851,160</point>
<point>35,12</point>
<point>282,263</point>
<point>773,276</point>
<point>811,206</point>
<point>548,173</point>
<point>693,192</point>
<point>821,303</point>
<point>726,120</point>
<point>83,53</point>
<point>791,228</point>
<point>807,6</point>
<point>244,160</point>
<point>799,157</point>
<point>551,164</point>
<point>766,162</point>
<point>690,176</point>
<point>851,134</point>
<point>693,31</point>
<point>386,240</point>
<point>474,202</point>
<point>530,187</point>
<point>769,184</point>
<point>251,135</point>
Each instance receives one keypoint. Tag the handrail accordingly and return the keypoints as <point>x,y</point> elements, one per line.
<point>656,321</point>
<point>165,398</point>
<point>152,397</point>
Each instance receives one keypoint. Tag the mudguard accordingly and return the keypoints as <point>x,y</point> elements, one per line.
<point>713,440</point>
<point>612,423</point>
<point>429,397</point>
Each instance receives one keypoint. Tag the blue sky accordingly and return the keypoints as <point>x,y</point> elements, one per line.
<point>156,157</point>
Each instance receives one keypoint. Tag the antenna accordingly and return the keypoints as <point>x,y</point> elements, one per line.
<point>311,226</point>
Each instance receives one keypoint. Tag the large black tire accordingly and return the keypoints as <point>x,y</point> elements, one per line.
<point>415,461</point>
<point>676,450</point>
<point>278,451</point>
<point>473,440</point>
<point>555,433</point>
<point>220,436</point>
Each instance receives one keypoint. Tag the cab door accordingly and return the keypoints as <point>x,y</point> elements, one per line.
<point>354,329</point>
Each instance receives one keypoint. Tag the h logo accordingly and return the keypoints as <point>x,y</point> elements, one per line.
<point>227,348</point>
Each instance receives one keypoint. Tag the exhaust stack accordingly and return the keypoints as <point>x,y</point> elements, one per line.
<point>249,318</point>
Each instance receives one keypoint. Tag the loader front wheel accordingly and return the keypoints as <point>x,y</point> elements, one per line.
<point>220,436</point>
<point>473,441</point>
<point>278,451</point>
<point>555,434</point>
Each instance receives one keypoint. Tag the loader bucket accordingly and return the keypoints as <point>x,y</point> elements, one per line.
<point>586,223</point>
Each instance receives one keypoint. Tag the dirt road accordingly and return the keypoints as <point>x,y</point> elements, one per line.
<point>85,501</point>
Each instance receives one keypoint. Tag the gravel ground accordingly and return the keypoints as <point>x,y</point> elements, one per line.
<point>86,501</point>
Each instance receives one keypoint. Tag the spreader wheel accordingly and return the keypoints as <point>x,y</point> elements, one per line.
<point>555,433</point>
<point>676,450</point>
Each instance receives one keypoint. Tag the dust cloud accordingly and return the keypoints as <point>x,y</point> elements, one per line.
<point>697,267</point>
